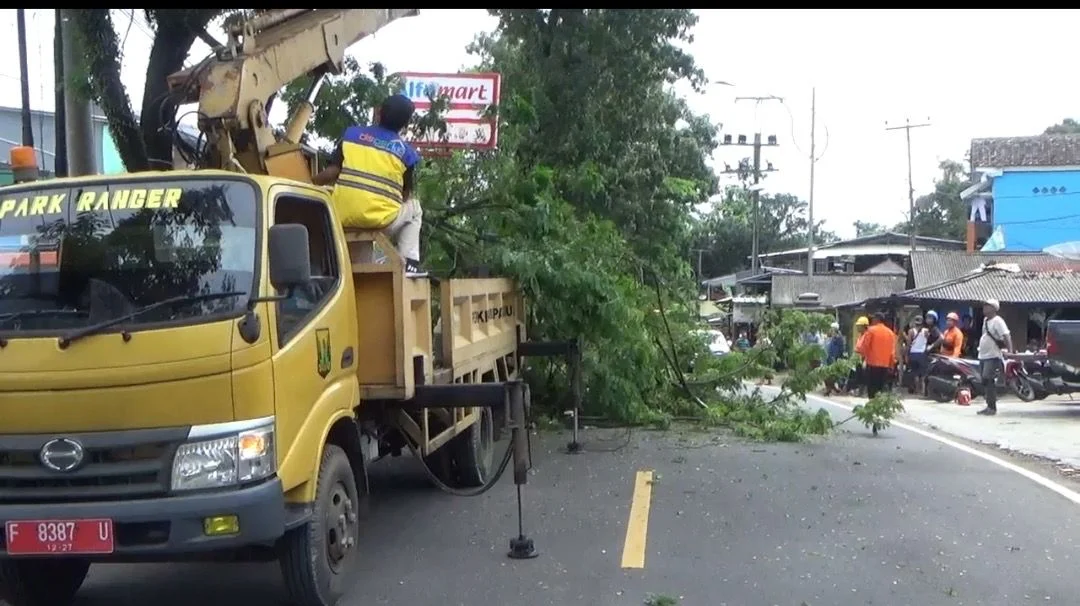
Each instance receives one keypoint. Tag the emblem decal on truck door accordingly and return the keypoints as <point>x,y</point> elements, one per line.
<point>322,352</point>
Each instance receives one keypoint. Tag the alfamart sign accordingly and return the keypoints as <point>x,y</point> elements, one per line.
<point>469,97</point>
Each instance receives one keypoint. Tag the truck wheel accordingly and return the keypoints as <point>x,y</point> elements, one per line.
<point>442,465</point>
<point>41,582</point>
<point>474,451</point>
<point>318,558</point>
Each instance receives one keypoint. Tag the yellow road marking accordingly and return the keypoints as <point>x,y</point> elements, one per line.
<point>637,528</point>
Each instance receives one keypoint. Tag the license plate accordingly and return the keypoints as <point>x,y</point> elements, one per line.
<point>43,537</point>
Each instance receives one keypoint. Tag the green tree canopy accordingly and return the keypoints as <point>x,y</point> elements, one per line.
<point>1068,126</point>
<point>941,213</point>
<point>866,228</point>
<point>726,231</point>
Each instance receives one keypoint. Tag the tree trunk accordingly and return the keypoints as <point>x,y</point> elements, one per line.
<point>172,42</point>
<point>95,31</point>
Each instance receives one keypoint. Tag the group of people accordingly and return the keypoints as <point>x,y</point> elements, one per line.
<point>880,349</point>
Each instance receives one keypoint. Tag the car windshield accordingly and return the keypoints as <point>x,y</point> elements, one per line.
<point>75,256</point>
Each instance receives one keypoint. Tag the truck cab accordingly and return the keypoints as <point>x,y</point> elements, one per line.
<point>188,367</point>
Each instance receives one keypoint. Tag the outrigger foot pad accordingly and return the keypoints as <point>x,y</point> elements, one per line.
<point>522,548</point>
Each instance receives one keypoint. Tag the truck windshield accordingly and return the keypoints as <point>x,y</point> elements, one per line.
<point>75,256</point>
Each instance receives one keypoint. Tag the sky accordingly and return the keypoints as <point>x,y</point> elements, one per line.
<point>868,68</point>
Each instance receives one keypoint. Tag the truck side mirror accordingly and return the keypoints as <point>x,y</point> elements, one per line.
<point>289,263</point>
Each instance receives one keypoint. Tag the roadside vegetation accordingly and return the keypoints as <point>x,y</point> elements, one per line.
<point>590,202</point>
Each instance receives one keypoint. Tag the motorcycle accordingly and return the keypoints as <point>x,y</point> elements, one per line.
<point>1024,376</point>
<point>946,376</point>
<point>1053,378</point>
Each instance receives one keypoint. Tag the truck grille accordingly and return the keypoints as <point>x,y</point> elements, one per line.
<point>116,465</point>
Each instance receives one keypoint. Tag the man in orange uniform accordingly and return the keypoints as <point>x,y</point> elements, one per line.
<point>878,347</point>
<point>952,341</point>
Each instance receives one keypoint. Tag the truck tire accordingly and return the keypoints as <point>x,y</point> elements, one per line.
<point>317,559</point>
<point>41,582</point>
<point>474,452</point>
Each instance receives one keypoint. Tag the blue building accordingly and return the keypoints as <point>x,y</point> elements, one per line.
<point>1029,188</point>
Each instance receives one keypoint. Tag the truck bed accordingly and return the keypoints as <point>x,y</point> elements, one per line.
<point>480,321</point>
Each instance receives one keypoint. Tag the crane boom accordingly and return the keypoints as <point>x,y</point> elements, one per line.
<point>264,54</point>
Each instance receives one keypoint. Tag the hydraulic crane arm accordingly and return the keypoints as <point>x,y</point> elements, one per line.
<point>264,54</point>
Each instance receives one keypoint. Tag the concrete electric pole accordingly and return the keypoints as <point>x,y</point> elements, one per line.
<point>700,251</point>
<point>911,188</point>
<point>24,80</point>
<point>60,117</point>
<point>810,204</point>
<point>79,128</point>
<point>755,191</point>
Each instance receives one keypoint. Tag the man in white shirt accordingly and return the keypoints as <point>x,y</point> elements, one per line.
<point>993,344</point>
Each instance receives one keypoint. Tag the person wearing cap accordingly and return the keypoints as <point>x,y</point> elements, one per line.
<point>994,342</point>
<point>373,171</point>
<point>952,340</point>
<point>877,346</point>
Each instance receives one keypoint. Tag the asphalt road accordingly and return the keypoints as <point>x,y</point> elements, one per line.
<point>852,519</point>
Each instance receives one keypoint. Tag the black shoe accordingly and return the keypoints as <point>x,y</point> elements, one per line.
<point>412,269</point>
<point>988,411</point>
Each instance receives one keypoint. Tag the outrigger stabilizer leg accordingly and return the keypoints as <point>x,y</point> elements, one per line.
<point>521,546</point>
<point>571,350</point>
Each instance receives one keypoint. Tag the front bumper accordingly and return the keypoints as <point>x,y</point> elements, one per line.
<point>171,525</point>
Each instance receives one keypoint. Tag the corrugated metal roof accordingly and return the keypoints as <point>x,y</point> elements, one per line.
<point>1040,150</point>
<point>1025,287</point>
<point>707,309</point>
<point>884,238</point>
<point>834,289</point>
<point>932,267</point>
<point>887,267</point>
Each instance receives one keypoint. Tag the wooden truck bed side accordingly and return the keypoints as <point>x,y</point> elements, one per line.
<point>480,321</point>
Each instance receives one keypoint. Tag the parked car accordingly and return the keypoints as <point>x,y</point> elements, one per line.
<point>717,342</point>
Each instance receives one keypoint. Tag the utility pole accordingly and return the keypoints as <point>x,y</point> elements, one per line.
<point>699,251</point>
<point>756,204</point>
<point>79,127</point>
<point>813,160</point>
<point>60,116</point>
<point>757,171</point>
<point>911,188</point>
<point>24,81</point>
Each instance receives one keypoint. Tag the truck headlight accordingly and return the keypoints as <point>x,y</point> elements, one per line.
<point>226,461</point>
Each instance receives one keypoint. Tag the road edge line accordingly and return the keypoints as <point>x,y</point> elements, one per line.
<point>637,525</point>
<point>1038,478</point>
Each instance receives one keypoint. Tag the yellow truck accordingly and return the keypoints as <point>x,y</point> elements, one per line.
<point>203,361</point>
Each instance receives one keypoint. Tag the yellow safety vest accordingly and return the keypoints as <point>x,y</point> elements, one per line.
<point>368,193</point>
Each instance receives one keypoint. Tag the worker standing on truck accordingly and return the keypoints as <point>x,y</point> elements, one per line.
<point>373,171</point>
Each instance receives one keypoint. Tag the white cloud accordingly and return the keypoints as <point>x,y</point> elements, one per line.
<point>869,67</point>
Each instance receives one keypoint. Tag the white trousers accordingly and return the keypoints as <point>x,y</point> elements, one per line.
<point>404,231</point>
